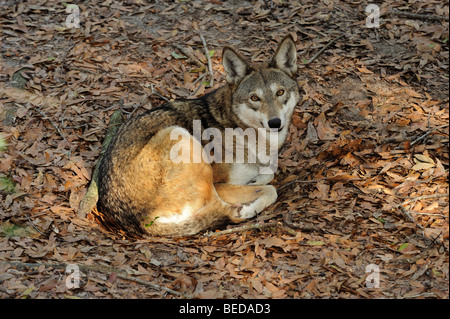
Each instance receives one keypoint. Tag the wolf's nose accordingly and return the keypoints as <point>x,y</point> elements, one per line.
<point>274,122</point>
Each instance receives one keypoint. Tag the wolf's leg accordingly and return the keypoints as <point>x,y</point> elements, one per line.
<point>228,203</point>
<point>240,174</point>
<point>186,201</point>
<point>262,179</point>
<point>251,200</point>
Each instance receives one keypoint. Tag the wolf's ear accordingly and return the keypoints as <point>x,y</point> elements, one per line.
<point>235,65</point>
<point>285,58</point>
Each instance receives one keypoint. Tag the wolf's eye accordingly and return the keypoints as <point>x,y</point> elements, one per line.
<point>280,92</point>
<point>254,98</point>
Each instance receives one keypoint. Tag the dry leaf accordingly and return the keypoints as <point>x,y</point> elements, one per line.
<point>424,158</point>
<point>422,166</point>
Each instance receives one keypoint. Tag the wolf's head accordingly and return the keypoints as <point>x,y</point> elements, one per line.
<point>264,96</point>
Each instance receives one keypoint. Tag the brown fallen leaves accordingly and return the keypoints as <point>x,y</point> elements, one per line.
<point>362,180</point>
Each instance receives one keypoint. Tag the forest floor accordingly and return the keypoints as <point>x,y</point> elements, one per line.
<point>363,188</point>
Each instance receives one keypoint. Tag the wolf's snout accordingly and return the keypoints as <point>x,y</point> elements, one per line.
<point>274,122</point>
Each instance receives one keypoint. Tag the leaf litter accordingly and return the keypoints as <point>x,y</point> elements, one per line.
<point>362,179</point>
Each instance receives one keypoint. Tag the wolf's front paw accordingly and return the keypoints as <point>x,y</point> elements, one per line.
<point>249,210</point>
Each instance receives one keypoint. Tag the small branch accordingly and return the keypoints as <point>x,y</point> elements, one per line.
<point>200,78</point>
<point>405,139</point>
<point>81,69</point>
<point>103,269</point>
<point>323,49</point>
<point>408,260</point>
<point>419,16</point>
<point>144,101</point>
<point>406,213</point>
<point>430,214</point>
<point>191,57</point>
<point>333,179</point>
<point>424,197</point>
<point>208,58</point>
<point>154,286</point>
<point>33,225</point>
<point>158,95</point>
<point>428,133</point>
<point>242,228</point>
<point>287,219</point>
<point>415,199</point>
<point>395,140</point>
<point>299,181</point>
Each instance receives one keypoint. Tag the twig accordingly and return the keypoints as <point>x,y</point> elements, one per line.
<point>408,260</point>
<point>419,16</point>
<point>208,58</point>
<point>242,228</point>
<point>190,56</point>
<point>324,48</point>
<point>405,139</point>
<point>398,139</point>
<point>427,133</point>
<point>436,240</point>
<point>81,69</point>
<point>406,213</point>
<point>153,92</point>
<point>154,286</point>
<point>158,95</point>
<point>422,294</point>
<point>99,268</point>
<point>430,214</point>
<point>287,219</point>
<point>299,181</point>
<point>424,197</point>
<point>144,100</point>
<point>200,85</point>
<point>415,199</point>
<point>33,225</point>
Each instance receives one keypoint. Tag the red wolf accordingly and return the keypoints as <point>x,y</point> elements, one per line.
<point>148,187</point>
